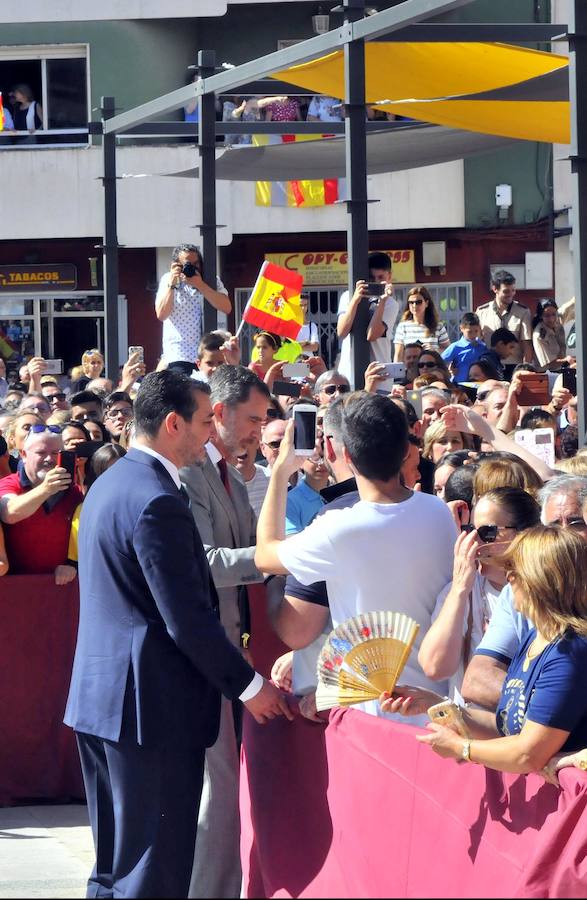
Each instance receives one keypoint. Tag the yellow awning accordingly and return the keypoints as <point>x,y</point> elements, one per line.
<point>489,88</point>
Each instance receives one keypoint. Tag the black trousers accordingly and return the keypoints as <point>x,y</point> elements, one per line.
<point>143,807</point>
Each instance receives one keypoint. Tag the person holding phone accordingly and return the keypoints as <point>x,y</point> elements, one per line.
<point>383,311</point>
<point>37,504</point>
<point>548,336</point>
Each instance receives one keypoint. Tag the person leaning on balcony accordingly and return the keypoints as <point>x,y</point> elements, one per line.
<point>180,306</point>
<point>27,114</point>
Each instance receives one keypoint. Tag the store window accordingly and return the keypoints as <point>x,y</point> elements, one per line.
<point>55,79</point>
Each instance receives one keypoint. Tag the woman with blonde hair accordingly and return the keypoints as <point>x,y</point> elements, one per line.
<point>542,710</point>
<point>420,323</point>
<point>506,470</point>
<point>92,365</point>
<point>438,440</point>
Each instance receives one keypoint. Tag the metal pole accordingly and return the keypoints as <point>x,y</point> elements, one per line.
<point>207,181</point>
<point>578,96</point>
<point>356,180</point>
<point>110,242</point>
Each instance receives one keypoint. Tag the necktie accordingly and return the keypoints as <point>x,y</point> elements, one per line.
<point>184,495</point>
<point>223,470</point>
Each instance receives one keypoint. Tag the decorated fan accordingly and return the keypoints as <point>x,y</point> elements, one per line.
<point>364,657</point>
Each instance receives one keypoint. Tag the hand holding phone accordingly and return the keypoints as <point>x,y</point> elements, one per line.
<point>296,370</point>
<point>139,350</point>
<point>66,459</point>
<point>570,380</point>
<point>304,417</point>
<point>448,714</point>
<point>533,389</point>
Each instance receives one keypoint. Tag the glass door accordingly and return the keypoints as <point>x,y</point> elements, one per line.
<point>75,324</point>
<point>18,329</point>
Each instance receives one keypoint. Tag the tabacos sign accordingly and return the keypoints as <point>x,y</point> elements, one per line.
<point>331,266</point>
<point>48,277</point>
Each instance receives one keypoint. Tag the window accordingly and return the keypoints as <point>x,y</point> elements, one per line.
<point>57,78</point>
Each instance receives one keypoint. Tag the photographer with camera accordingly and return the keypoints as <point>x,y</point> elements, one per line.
<point>180,306</point>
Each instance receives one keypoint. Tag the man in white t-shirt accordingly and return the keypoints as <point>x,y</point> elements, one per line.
<point>391,551</point>
<point>383,312</point>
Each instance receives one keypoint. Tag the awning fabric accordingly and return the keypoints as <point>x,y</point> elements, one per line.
<point>489,88</point>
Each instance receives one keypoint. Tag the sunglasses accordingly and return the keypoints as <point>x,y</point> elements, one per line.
<point>275,445</point>
<point>334,388</point>
<point>415,302</point>
<point>56,397</point>
<point>576,523</point>
<point>427,365</point>
<point>38,429</point>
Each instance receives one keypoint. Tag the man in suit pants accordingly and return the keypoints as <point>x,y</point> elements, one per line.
<point>227,526</point>
<point>152,656</point>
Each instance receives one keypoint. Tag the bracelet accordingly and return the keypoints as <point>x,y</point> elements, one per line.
<point>466,751</point>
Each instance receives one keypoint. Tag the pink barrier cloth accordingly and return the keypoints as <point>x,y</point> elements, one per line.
<point>360,809</point>
<point>38,754</point>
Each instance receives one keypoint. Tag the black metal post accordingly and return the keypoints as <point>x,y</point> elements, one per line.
<point>110,243</point>
<point>207,181</point>
<point>578,95</point>
<point>356,179</point>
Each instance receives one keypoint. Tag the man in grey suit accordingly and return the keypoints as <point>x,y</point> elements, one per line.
<point>227,526</point>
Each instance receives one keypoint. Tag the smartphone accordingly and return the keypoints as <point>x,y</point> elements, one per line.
<point>534,389</point>
<point>53,367</point>
<point>304,416</point>
<point>448,714</point>
<point>66,459</point>
<point>395,371</point>
<point>570,380</point>
<point>139,350</point>
<point>376,288</point>
<point>287,388</point>
<point>415,398</point>
<point>539,441</point>
<point>86,449</point>
<point>296,370</point>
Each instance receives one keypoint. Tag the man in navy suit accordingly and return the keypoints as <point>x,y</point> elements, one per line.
<point>152,657</point>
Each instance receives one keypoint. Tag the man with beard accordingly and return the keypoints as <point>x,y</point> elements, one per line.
<point>227,526</point>
<point>36,507</point>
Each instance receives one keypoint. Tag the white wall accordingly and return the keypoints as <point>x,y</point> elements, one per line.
<point>562,191</point>
<point>58,193</point>
<point>27,11</point>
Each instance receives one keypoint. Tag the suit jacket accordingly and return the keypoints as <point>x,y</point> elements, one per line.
<point>151,651</point>
<point>227,526</point>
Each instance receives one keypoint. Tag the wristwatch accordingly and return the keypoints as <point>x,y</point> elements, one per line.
<point>466,751</point>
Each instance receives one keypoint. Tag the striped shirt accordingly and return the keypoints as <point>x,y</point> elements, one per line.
<point>409,332</point>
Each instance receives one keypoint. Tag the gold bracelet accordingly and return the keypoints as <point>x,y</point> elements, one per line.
<point>466,751</point>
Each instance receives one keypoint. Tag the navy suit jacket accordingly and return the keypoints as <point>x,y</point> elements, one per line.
<point>151,656</point>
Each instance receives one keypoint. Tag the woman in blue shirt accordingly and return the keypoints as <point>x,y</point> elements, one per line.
<point>543,706</point>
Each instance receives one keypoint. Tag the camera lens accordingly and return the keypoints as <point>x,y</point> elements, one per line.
<point>189,270</point>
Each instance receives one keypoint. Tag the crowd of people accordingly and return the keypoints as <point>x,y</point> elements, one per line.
<point>418,498</point>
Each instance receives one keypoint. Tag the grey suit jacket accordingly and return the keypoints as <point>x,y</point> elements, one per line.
<point>227,527</point>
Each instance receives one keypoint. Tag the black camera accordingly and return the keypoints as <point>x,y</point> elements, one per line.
<point>189,270</point>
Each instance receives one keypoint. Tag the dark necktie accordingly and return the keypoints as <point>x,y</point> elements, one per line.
<point>223,470</point>
<point>184,495</point>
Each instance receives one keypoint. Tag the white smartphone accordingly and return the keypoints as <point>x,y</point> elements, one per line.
<point>304,416</point>
<point>539,441</point>
<point>296,370</point>
<point>53,367</point>
<point>139,350</point>
<point>396,371</point>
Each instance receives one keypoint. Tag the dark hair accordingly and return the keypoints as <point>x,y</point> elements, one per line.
<point>569,442</point>
<point>233,384</point>
<point>273,339</point>
<point>524,367</point>
<point>502,277</point>
<point>186,248</point>
<point>276,406</point>
<point>545,303</point>
<point>503,334</point>
<point>470,318</point>
<point>417,344</point>
<point>409,411</point>
<point>538,418</point>
<point>117,397</point>
<point>455,458</point>
<point>379,261</point>
<point>102,427</point>
<point>104,457</point>
<point>460,485</point>
<point>85,397</point>
<point>522,508</point>
<point>210,342</point>
<point>24,89</point>
<point>165,392</point>
<point>80,427</point>
<point>375,434</point>
<point>431,320</point>
<point>486,367</point>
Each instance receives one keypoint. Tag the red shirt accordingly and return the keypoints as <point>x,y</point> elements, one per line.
<point>38,544</point>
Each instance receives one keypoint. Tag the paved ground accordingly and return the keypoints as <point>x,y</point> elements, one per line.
<point>45,851</point>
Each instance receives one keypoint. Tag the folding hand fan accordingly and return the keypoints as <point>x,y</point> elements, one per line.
<point>364,657</point>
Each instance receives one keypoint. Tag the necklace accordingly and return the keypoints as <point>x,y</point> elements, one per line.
<point>530,656</point>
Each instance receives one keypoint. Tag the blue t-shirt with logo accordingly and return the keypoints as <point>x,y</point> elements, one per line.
<point>551,692</point>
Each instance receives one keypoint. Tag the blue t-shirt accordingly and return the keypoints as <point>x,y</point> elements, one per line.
<point>550,693</point>
<point>303,504</point>
<point>463,353</point>
<point>507,629</point>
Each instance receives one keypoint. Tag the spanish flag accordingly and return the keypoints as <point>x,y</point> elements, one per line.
<point>307,192</point>
<point>274,304</point>
<point>1,113</point>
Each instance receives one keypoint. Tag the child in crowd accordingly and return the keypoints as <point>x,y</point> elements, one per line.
<point>266,345</point>
<point>461,354</point>
<point>503,344</point>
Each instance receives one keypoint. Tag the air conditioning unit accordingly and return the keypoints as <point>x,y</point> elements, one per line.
<point>321,24</point>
